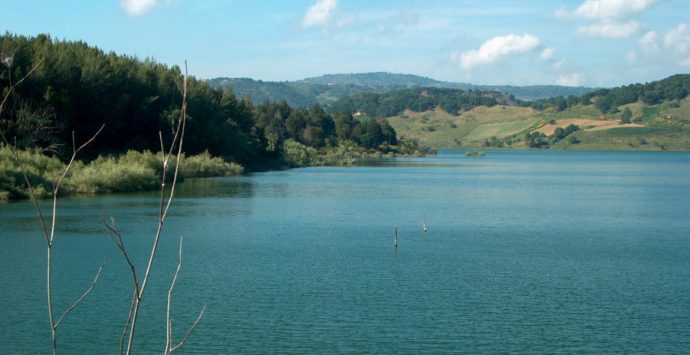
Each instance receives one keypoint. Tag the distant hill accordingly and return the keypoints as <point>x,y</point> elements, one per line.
<point>328,89</point>
<point>650,116</point>
<point>373,80</point>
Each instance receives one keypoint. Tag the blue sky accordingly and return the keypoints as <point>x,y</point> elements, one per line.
<point>580,42</point>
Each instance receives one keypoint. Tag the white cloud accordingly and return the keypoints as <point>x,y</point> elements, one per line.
<point>496,49</point>
<point>649,42</point>
<point>675,45</point>
<point>610,29</point>
<point>606,9</point>
<point>137,7</point>
<point>574,79</point>
<point>547,53</point>
<point>559,64</point>
<point>319,13</point>
<point>678,39</point>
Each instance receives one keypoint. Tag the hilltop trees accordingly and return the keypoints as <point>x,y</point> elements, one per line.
<point>78,88</point>
<point>416,99</point>
<point>676,87</point>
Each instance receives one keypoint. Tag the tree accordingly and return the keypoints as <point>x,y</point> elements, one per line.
<point>571,128</point>
<point>344,125</point>
<point>373,134</point>
<point>536,139</point>
<point>388,131</point>
<point>626,116</point>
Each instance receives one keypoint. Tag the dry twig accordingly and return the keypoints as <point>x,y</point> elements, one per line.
<point>48,235</point>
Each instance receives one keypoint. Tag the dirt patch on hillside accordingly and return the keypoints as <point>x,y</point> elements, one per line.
<point>585,124</point>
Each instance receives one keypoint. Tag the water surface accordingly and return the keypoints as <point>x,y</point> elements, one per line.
<point>527,251</point>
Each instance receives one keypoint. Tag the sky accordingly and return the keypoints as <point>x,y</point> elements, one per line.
<point>596,43</point>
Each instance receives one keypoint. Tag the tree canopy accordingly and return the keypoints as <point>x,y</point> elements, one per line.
<point>78,88</point>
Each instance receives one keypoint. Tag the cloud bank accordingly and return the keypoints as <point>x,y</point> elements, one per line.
<point>606,9</point>
<point>137,7</point>
<point>606,17</point>
<point>496,49</point>
<point>674,46</point>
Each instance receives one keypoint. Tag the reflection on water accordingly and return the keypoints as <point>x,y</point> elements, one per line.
<point>526,252</point>
<point>238,187</point>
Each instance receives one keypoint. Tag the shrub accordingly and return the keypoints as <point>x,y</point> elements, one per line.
<point>131,172</point>
<point>41,170</point>
<point>204,165</point>
<point>298,154</point>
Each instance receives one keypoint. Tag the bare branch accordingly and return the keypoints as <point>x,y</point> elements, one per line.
<point>165,202</point>
<point>129,319</point>
<point>160,138</point>
<point>56,187</point>
<point>116,236</point>
<point>169,336</point>
<point>32,195</point>
<point>81,299</point>
<point>49,237</point>
<point>189,331</point>
<point>12,86</point>
<point>168,346</point>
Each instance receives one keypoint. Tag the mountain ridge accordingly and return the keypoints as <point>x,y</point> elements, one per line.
<point>328,88</point>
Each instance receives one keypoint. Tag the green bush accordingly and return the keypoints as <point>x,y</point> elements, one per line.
<point>204,165</point>
<point>40,169</point>
<point>131,172</point>
<point>297,154</point>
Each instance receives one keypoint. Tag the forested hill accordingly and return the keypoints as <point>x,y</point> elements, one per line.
<point>676,87</point>
<point>328,89</point>
<point>454,101</point>
<point>77,88</point>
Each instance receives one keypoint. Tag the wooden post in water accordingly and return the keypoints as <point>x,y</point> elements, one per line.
<point>395,239</point>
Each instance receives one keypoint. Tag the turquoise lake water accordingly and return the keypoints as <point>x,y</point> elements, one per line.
<point>526,252</point>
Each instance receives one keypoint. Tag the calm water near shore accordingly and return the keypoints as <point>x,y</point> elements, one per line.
<point>527,252</point>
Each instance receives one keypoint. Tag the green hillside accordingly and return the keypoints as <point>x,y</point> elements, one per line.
<point>664,125</point>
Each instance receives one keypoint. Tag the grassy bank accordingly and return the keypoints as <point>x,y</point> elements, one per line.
<point>133,171</point>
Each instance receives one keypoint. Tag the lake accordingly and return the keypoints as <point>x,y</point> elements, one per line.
<point>526,252</point>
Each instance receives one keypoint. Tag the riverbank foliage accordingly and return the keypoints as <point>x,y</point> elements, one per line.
<point>132,171</point>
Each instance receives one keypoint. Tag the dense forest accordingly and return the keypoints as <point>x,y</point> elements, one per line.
<point>78,88</point>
